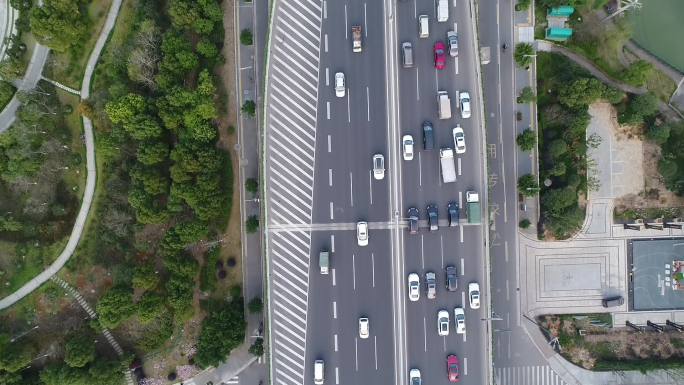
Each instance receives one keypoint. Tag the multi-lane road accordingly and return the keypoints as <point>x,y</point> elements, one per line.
<point>318,150</point>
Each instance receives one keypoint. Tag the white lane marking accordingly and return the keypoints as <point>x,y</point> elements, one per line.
<point>459,166</point>
<point>327,106</point>
<point>460,199</point>
<point>356,352</point>
<point>422,251</point>
<point>331,211</point>
<point>334,279</point>
<point>420,170</point>
<point>462,266</point>
<point>325,9</point>
<point>370,186</point>
<point>332,243</point>
<point>346,26</point>
<point>463,299</point>
<point>337,375</point>
<point>464,336</point>
<point>365,23</point>
<point>330,177</point>
<point>373,268</point>
<point>461,231</point>
<point>336,349</point>
<point>506,250</point>
<point>508,292</point>
<point>367,104</point>
<point>375,344</point>
<point>454,3</point>
<point>436,81</point>
<point>465,366</point>
<point>335,309</point>
<point>455,26</point>
<point>329,143</point>
<point>415,9</point>
<point>351,190</point>
<point>327,70</point>
<point>325,45</point>
<point>417,87</point>
<point>424,336</point>
<point>348,109</point>
<point>441,245</point>
<point>354,270</point>
<point>444,343</point>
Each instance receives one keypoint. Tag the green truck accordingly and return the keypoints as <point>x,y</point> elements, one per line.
<point>473,208</point>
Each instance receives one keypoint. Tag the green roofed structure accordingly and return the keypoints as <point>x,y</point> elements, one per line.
<point>563,11</point>
<point>556,18</point>
<point>558,34</point>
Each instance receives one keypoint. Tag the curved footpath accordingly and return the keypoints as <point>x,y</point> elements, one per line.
<point>90,164</point>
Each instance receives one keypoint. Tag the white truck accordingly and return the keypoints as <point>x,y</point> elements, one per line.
<point>446,161</point>
<point>356,38</point>
<point>444,105</point>
<point>442,10</point>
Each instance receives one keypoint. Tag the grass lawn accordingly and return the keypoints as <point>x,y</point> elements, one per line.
<point>68,67</point>
<point>75,177</point>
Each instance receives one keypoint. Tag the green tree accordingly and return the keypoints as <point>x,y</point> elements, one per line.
<point>80,349</point>
<point>201,16</point>
<point>523,54</point>
<point>246,37</point>
<point>659,134</point>
<point>249,108</point>
<point>668,168</point>
<point>251,185</point>
<point>15,356</point>
<point>527,185</point>
<point>255,305</point>
<point>527,140</point>
<point>637,73</point>
<point>522,5</point>
<point>223,329</point>
<point>252,224</point>
<point>152,152</point>
<point>150,307</point>
<point>179,292</point>
<point>557,148</point>
<point>257,348</point>
<point>639,108</point>
<point>126,108</point>
<point>525,223</point>
<point>554,201</point>
<point>6,92</point>
<point>145,277</point>
<point>581,92</point>
<point>58,24</point>
<point>115,306</point>
<point>7,378</point>
<point>527,96</point>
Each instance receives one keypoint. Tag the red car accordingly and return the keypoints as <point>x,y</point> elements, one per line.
<point>452,368</point>
<point>440,55</point>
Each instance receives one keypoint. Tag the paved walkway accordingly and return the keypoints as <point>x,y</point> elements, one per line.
<point>62,86</point>
<point>41,278</point>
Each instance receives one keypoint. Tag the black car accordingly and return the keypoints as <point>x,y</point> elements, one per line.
<point>413,215</point>
<point>452,211</point>
<point>428,136</point>
<point>432,217</point>
<point>451,278</point>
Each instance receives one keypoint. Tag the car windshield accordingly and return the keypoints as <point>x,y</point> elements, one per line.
<point>439,51</point>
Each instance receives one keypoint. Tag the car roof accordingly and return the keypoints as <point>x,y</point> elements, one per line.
<point>450,269</point>
<point>473,286</point>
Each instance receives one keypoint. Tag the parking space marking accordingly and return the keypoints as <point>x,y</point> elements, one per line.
<point>465,366</point>
<point>325,9</point>
<point>346,24</point>
<point>461,231</point>
<point>459,166</point>
<point>460,199</point>
<point>441,246</point>
<point>325,43</point>
<point>444,343</point>
<point>327,70</point>
<point>348,107</point>
<point>463,299</point>
<point>417,86</point>
<point>365,21</point>
<point>370,186</point>
<point>337,375</point>
<point>506,251</point>
<point>508,291</point>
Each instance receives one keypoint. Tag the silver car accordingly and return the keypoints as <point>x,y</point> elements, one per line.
<point>443,323</point>
<point>378,166</point>
<point>339,85</point>
<point>452,42</point>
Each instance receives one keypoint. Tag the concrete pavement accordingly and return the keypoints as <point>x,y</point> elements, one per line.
<point>89,191</point>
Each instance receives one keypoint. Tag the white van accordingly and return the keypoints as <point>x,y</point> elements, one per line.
<point>423,26</point>
<point>319,372</point>
<point>442,10</point>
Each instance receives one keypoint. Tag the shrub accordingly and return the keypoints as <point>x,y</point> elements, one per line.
<point>523,54</point>
<point>527,96</point>
<point>526,140</point>
<point>246,37</point>
<point>522,5</point>
<point>252,224</point>
<point>525,223</point>
<point>637,73</point>
<point>255,305</point>
<point>251,185</point>
<point>527,185</point>
<point>257,347</point>
<point>249,108</point>
<point>639,108</point>
<point>223,329</point>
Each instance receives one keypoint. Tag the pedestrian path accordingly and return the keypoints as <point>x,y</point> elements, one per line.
<point>290,141</point>
<point>527,375</point>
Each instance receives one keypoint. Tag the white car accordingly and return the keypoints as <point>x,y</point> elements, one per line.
<point>340,89</point>
<point>362,233</point>
<point>474,295</point>
<point>443,323</point>
<point>464,101</point>
<point>407,145</point>
<point>459,139</point>
<point>414,377</point>
<point>459,320</point>
<point>414,287</point>
<point>378,166</point>
<point>364,327</point>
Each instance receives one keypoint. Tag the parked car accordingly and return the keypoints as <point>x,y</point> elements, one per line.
<point>452,368</point>
<point>459,139</point>
<point>362,233</point>
<point>474,295</point>
<point>364,327</point>
<point>452,41</point>
<point>431,284</point>
<point>407,146</point>
<point>464,101</point>
<point>378,166</point>
<point>459,320</point>
<point>440,55</point>
<point>413,287</point>
<point>433,218</point>
<point>451,278</point>
<point>413,217</point>
<point>443,323</point>
<point>453,213</point>
<point>340,88</point>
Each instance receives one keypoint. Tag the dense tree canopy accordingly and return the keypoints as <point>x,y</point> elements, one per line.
<point>222,331</point>
<point>58,24</point>
<point>80,349</point>
<point>115,306</point>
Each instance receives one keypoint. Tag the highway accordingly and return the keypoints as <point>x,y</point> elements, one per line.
<point>318,150</point>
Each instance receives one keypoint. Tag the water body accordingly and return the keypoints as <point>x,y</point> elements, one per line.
<point>659,28</point>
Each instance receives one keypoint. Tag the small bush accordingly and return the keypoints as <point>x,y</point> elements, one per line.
<point>523,54</point>
<point>527,96</point>
<point>527,185</point>
<point>230,130</point>
<point>249,108</point>
<point>251,185</point>
<point>526,140</point>
<point>231,262</point>
<point>252,224</point>
<point>246,37</point>
<point>255,305</point>
<point>257,347</point>
<point>235,291</point>
<point>525,223</point>
<point>522,5</point>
